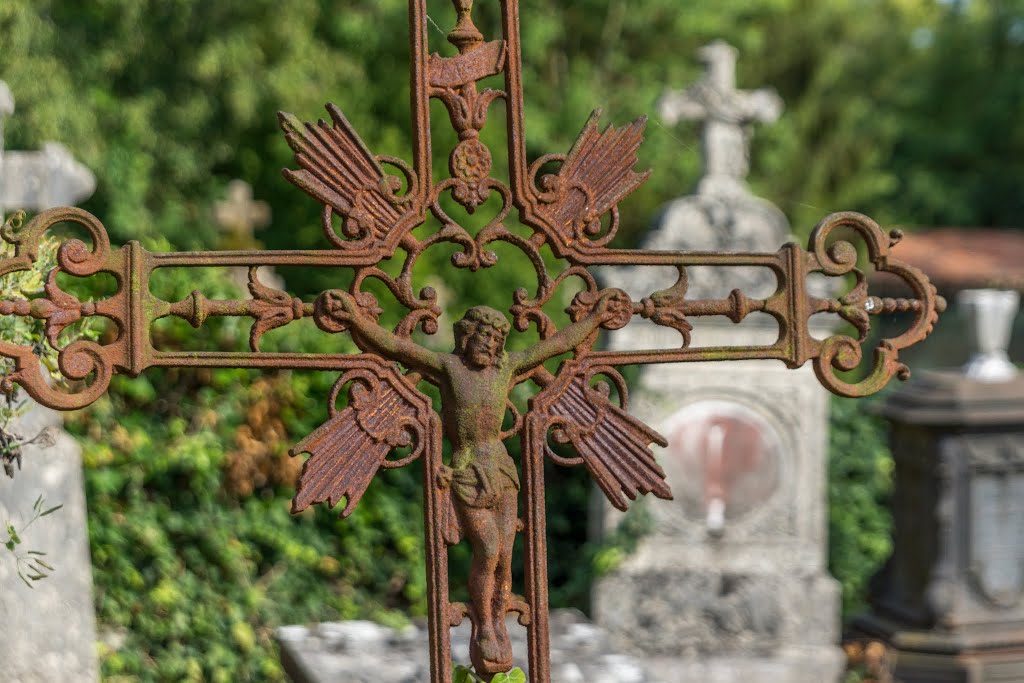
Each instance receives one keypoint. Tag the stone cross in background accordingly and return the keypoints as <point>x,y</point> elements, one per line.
<point>722,214</point>
<point>731,584</point>
<point>39,180</point>
<point>47,633</point>
<point>240,216</point>
<point>727,114</point>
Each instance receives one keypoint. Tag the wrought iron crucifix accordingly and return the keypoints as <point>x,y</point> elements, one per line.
<point>371,205</point>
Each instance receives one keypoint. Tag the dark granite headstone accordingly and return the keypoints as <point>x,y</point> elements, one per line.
<point>949,600</point>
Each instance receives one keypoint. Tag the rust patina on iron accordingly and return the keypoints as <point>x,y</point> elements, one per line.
<point>572,211</point>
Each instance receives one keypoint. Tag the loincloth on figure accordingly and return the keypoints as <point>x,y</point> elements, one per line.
<point>481,483</point>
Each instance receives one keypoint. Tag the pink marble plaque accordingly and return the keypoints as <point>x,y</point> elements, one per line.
<point>728,458</point>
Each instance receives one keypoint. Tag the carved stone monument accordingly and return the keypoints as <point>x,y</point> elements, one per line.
<point>950,599</point>
<point>39,180</point>
<point>47,633</point>
<point>731,585</point>
<point>239,217</point>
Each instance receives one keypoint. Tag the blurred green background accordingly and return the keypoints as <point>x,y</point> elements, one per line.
<point>908,110</point>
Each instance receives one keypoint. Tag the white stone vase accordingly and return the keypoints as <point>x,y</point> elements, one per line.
<point>990,314</point>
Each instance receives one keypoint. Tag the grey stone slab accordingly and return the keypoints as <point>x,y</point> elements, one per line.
<point>363,652</point>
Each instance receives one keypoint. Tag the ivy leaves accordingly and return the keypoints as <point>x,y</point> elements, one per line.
<point>462,674</point>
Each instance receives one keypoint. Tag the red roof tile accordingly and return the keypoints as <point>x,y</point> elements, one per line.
<point>963,258</point>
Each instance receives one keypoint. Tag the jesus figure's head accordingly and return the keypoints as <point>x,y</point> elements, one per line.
<point>480,336</point>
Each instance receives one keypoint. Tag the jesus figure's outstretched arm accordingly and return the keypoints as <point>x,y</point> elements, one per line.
<point>572,336</point>
<point>369,336</point>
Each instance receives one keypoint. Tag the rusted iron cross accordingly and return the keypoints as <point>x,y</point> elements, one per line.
<point>479,494</point>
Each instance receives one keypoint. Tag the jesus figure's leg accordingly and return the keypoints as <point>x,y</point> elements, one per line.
<point>481,529</point>
<point>507,518</point>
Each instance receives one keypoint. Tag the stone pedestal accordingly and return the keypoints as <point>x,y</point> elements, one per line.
<point>731,585</point>
<point>47,632</point>
<point>949,600</point>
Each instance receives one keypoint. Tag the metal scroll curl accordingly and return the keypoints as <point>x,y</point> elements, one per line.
<point>80,360</point>
<point>841,353</point>
<point>74,257</point>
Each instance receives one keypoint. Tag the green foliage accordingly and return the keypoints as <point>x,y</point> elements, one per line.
<point>859,482</point>
<point>196,556</point>
<point>462,674</point>
<point>198,577</point>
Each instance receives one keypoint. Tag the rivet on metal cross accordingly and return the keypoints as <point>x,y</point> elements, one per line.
<point>480,495</point>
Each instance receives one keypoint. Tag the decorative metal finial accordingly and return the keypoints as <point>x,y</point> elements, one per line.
<point>465,36</point>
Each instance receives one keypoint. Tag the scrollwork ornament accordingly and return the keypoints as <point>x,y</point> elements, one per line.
<point>840,353</point>
<point>79,361</point>
<point>74,256</point>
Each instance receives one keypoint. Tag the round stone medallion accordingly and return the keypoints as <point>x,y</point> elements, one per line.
<point>728,457</point>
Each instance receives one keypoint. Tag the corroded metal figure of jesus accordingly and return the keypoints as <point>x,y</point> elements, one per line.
<point>373,210</point>
<point>482,481</point>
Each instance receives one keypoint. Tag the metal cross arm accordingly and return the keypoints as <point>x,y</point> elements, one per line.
<point>371,206</point>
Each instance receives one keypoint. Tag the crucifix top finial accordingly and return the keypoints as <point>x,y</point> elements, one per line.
<point>727,114</point>
<point>719,58</point>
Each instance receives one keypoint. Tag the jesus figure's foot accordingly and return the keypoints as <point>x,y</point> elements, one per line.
<point>503,640</point>
<point>490,652</point>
